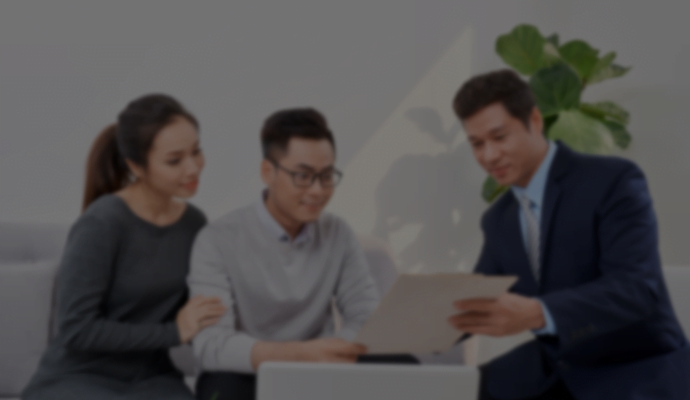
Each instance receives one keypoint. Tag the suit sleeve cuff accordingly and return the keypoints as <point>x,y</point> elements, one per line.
<point>550,326</point>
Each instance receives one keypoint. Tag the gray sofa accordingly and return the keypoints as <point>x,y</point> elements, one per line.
<point>29,257</point>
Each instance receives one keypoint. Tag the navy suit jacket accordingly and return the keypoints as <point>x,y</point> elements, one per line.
<point>617,335</point>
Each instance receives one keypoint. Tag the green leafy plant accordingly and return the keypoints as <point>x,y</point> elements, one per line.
<point>558,74</point>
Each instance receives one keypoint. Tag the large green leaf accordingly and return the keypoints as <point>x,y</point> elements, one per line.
<point>522,49</point>
<point>607,110</point>
<point>581,56</point>
<point>621,136</point>
<point>602,64</point>
<point>555,89</point>
<point>491,189</point>
<point>607,71</point>
<point>582,132</point>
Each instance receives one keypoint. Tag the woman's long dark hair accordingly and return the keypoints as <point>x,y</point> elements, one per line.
<point>130,138</point>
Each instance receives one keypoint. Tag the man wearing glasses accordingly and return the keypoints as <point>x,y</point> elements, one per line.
<point>277,264</point>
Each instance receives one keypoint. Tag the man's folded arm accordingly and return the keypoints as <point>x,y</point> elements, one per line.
<point>219,347</point>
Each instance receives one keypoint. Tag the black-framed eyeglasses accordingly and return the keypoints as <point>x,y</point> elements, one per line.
<point>303,179</point>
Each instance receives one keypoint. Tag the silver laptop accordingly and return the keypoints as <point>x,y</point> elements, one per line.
<point>317,381</point>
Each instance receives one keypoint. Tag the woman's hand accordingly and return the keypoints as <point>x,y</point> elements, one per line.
<point>197,314</point>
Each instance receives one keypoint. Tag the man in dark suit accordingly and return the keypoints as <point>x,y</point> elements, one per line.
<point>580,233</point>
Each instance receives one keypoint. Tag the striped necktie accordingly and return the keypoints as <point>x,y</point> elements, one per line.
<point>532,234</point>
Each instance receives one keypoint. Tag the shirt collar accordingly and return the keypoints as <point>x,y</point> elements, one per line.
<point>276,230</point>
<point>535,189</point>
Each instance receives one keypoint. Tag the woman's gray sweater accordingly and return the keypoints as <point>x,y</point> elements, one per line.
<point>120,285</point>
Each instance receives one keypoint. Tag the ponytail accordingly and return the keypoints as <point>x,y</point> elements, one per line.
<point>105,168</point>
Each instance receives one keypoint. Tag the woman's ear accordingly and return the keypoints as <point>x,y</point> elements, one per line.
<point>137,170</point>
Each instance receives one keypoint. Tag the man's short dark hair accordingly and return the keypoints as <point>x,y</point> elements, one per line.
<point>503,86</point>
<point>281,126</point>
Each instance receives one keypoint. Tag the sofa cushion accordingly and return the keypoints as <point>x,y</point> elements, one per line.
<point>31,242</point>
<point>26,293</point>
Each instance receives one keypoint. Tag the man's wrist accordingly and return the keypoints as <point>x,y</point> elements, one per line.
<point>298,350</point>
<point>276,351</point>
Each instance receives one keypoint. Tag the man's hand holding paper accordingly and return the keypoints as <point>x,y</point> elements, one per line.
<point>508,314</point>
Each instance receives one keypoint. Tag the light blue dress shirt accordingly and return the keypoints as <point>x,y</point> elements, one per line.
<point>535,193</point>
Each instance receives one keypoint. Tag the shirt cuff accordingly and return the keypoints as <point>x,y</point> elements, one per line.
<point>219,353</point>
<point>550,326</point>
<point>238,354</point>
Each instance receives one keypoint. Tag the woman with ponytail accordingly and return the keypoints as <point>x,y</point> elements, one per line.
<point>121,292</point>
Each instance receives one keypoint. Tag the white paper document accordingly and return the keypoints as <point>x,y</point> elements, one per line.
<point>413,317</point>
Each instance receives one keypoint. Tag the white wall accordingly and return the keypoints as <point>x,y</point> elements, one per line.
<point>382,71</point>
